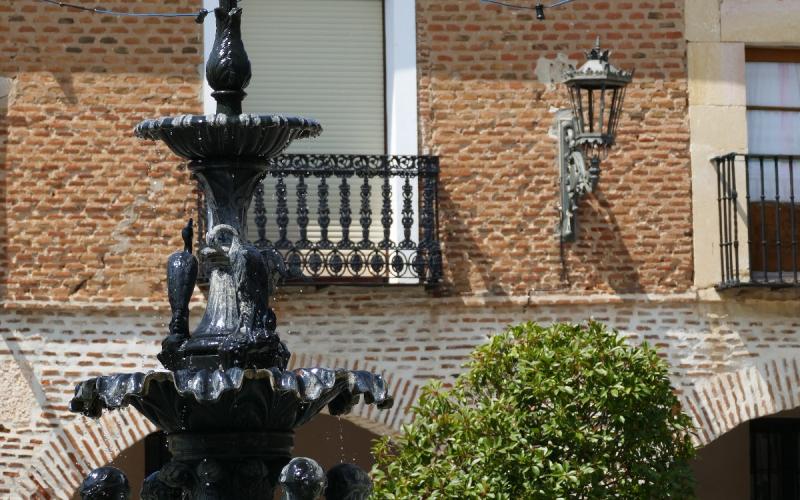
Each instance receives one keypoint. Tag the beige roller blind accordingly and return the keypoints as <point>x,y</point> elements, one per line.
<point>322,59</point>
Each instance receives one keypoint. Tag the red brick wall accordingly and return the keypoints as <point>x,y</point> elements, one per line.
<point>486,114</point>
<point>90,212</point>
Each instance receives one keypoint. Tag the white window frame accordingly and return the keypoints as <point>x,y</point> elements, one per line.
<point>716,43</point>
<point>400,32</point>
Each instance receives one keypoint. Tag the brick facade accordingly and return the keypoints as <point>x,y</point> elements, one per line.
<point>88,215</point>
<point>90,210</point>
<point>485,111</point>
<point>93,211</point>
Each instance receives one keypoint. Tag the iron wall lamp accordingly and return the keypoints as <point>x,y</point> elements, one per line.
<point>587,131</point>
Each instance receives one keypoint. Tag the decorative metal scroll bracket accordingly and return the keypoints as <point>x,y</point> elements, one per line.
<point>575,179</point>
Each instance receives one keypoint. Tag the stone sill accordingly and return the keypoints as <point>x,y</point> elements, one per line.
<point>754,293</point>
<point>467,301</point>
<point>365,301</point>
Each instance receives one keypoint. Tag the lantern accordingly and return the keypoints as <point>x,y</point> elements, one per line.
<point>597,91</point>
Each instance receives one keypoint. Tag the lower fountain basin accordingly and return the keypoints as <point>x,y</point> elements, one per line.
<point>231,400</point>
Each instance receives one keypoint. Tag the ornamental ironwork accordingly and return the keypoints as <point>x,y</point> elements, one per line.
<point>758,200</point>
<point>588,130</point>
<point>387,225</point>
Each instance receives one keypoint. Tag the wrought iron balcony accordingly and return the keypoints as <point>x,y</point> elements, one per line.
<point>350,219</point>
<point>769,219</point>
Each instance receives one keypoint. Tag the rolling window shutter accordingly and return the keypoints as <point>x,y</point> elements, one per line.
<point>322,59</point>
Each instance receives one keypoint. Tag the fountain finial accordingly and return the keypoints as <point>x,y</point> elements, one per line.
<point>228,70</point>
<point>187,234</point>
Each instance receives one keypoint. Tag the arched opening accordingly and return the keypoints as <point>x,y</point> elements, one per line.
<point>759,459</point>
<point>334,440</point>
<point>328,440</point>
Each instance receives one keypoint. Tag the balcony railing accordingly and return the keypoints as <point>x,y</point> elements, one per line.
<point>350,219</point>
<point>768,218</point>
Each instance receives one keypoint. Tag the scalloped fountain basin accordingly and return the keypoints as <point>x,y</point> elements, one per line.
<point>231,400</point>
<point>220,136</point>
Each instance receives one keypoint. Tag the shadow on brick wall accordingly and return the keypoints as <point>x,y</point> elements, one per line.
<point>464,255</point>
<point>601,259</point>
<point>608,251</point>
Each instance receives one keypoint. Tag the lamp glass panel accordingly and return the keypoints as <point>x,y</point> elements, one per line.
<point>603,108</point>
<point>594,151</point>
<point>616,110</point>
<point>577,106</point>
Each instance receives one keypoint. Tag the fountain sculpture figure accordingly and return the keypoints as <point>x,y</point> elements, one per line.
<point>226,400</point>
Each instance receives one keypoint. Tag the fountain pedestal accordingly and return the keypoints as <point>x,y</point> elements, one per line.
<point>240,466</point>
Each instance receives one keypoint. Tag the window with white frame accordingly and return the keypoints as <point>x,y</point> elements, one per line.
<point>773,114</point>
<point>773,169</point>
<point>322,59</point>
<point>351,65</point>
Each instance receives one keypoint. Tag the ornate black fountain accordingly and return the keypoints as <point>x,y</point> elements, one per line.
<point>226,400</point>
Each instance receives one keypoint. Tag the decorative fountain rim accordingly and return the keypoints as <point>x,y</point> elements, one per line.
<point>147,129</point>
<point>247,135</point>
<point>308,385</point>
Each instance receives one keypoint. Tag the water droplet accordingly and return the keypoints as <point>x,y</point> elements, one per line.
<point>342,458</point>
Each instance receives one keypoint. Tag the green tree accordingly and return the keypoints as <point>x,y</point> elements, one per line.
<point>564,411</point>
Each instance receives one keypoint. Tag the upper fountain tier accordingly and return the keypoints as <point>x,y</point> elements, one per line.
<point>229,134</point>
<point>226,137</point>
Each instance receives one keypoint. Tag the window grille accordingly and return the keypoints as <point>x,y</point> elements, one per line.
<point>775,458</point>
<point>771,210</point>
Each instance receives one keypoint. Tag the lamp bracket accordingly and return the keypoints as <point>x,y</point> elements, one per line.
<point>576,180</point>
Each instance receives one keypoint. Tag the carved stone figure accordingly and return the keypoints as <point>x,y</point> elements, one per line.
<point>254,278</point>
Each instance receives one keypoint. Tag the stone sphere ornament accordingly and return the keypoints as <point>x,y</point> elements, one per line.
<point>348,482</point>
<point>302,479</point>
<point>105,483</point>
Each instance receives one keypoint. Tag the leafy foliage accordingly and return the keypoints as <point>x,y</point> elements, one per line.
<point>564,411</point>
